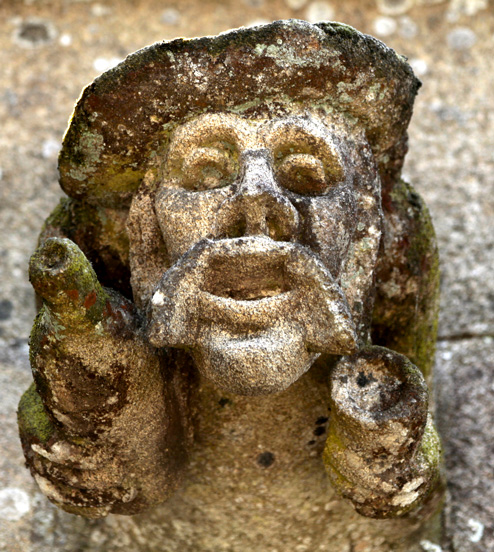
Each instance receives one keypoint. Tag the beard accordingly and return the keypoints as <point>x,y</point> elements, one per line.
<point>255,313</point>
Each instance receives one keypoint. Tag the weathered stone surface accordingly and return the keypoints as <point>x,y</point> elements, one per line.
<point>103,428</point>
<point>450,163</point>
<point>379,403</point>
<point>254,238</point>
<point>123,120</point>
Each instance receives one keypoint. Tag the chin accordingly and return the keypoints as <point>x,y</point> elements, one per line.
<point>255,365</point>
<point>254,313</point>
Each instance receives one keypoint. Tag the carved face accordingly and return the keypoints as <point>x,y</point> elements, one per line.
<point>271,229</point>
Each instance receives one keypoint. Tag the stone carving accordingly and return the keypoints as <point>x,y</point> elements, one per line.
<point>236,227</point>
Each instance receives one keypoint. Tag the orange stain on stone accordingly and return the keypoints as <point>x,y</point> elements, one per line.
<point>73,294</point>
<point>90,300</point>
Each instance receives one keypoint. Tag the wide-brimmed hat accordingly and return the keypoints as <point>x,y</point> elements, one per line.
<point>123,120</point>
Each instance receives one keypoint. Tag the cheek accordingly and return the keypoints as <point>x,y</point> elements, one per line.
<point>186,218</point>
<point>329,226</point>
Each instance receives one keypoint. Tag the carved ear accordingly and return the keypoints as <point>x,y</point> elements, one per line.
<point>148,256</point>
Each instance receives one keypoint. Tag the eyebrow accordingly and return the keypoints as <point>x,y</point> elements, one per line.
<point>226,127</point>
<point>318,144</point>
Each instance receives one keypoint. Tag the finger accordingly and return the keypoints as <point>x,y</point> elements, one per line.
<point>62,275</point>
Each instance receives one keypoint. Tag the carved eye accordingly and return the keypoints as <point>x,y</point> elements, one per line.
<point>303,174</point>
<point>209,167</point>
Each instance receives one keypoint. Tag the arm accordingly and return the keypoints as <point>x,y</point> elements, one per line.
<point>382,451</point>
<point>407,279</point>
<point>105,429</point>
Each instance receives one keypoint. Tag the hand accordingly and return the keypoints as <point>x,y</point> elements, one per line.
<point>102,430</point>
<point>382,450</point>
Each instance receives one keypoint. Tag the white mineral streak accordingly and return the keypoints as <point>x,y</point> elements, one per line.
<point>62,418</point>
<point>59,452</point>
<point>408,494</point>
<point>477,528</point>
<point>429,546</point>
<point>14,503</point>
<point>158,299</point>
<point>38,449</point>
<point>112,400</point>
<point>47,488</point>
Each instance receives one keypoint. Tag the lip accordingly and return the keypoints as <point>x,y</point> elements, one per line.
<point>245,286</point>
<point>246,281</point>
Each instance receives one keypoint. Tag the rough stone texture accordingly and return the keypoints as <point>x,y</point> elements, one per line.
<point>123,120</point>
<point>269,209</point>
<point>450,162</point>
<point>101,396</point>
<point>466,394</point>
<point>372,394</point>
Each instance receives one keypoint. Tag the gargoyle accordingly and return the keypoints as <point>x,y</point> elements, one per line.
<point>237,238</point>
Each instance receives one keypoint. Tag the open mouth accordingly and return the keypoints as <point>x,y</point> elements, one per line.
<point>242,287</point>
<point>245,282</point>
<point>245,278</point>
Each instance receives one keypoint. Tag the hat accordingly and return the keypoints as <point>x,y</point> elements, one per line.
<point>123,120</point>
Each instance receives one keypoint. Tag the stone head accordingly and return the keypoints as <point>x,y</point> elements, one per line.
<point>260,220</point>
<point>253,178</point>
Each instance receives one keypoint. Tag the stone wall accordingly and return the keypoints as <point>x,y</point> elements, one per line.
<point>51,49</point>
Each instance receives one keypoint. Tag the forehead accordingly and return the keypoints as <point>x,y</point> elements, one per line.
<point>252,133</point>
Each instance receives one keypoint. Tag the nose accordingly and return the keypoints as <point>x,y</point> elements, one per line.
<point>258,206</point>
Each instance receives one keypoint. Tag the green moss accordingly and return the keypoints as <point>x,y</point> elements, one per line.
<point>94,228</point>
<point>61,274</point>
<point>85,511</point>
<point>58,220</point>
<point>101,234</point>
<point>424,261</point>
<point>251,104</point>
<point>121,180</point>
<point>341,29</point>
<point>335,447</point>
<point>405,196</point>
<point>85,153</point>
<point>40,326</point>
<point>105,166</point>
<point>34,422</point>
<point>431,446</point>
<point>407,323</point>
<point>115,185</point>
<point>112,186</point>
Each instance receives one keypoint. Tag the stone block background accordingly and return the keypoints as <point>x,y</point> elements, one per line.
<point>51,49</point>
